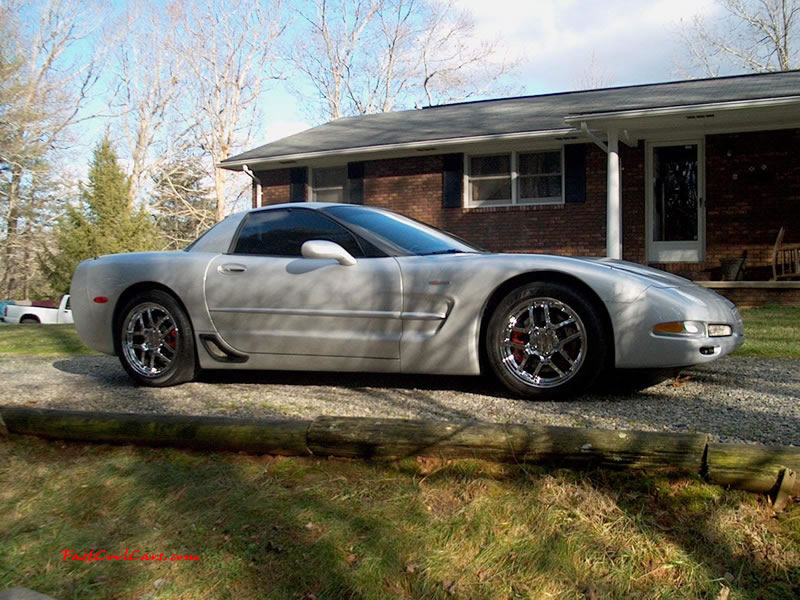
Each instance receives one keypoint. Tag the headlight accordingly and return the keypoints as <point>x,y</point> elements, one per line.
<point>689,328</point>
<point>719,330</point>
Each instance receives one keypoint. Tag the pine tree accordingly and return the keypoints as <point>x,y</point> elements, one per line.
<point>103,223</point>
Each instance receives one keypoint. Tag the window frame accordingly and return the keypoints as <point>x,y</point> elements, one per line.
<point>235,240</point>
<point>515,177</point>
<point>471,178</point>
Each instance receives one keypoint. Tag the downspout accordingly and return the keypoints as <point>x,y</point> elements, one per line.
<point>256,186</point>
<point>613,191</point>
<point>614,208</point>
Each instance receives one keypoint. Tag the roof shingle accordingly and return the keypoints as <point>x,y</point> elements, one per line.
<point>517,115</point>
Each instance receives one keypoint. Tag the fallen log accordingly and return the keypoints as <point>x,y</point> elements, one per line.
<point>256,436</point>
<point>752,467</point>
<point>755,468</point>
<point>568,446</point>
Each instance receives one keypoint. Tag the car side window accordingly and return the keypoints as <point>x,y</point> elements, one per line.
<point>283,233</point>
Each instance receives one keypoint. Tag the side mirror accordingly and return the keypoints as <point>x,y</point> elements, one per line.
<point>325,249</point>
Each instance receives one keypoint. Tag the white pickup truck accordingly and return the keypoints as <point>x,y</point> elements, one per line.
<point>16,313</point>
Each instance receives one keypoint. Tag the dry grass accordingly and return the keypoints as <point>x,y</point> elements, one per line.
<point>306,528</point>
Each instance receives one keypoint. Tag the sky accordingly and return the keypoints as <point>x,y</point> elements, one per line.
<point>556,41</point>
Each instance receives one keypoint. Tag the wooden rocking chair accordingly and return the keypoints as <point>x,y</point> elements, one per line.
<point>785,259</point>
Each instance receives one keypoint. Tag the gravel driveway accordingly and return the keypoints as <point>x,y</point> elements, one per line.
<point>733,399</point>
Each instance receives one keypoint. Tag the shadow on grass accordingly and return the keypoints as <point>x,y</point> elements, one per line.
<point>309,528</point>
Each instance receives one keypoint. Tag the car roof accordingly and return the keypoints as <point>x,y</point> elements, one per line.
<point>312,205</point>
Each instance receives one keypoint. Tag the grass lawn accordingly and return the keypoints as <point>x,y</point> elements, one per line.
<point>771,332</point>
<point>41,340</point>
<point>291,528</point>
<point>311,529</point>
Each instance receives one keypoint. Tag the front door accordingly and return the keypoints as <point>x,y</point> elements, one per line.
<point>266,298</point>
<point>675,211</point>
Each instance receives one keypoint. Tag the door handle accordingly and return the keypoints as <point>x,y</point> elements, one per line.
<point>231,268</point>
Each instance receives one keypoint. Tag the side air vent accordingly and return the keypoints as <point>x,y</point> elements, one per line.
<point>220,351</point>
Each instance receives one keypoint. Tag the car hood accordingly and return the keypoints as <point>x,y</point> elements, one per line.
<point>657,277</point>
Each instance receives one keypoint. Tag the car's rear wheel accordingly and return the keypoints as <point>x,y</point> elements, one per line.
<point>545,340</point>
<point>29,321</point>
<point>154,339</point>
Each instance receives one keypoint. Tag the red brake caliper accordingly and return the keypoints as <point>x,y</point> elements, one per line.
<point>172,337</point>
<point>518,338</point>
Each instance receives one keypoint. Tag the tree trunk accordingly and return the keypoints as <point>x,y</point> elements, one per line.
<point>751,467</point>
<point>9,282</point>
<point>215,433</point>
<point>219,190</point>
<point>396,438</point>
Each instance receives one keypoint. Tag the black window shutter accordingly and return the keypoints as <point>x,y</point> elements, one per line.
<point>355,180</point>
<point>298,177</point>
<point>452,180</point>
<point>575,172</point>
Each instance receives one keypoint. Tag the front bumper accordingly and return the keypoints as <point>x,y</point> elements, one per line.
<point>637,347</point>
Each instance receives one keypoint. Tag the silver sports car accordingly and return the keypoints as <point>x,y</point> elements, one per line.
<point>337,287</point>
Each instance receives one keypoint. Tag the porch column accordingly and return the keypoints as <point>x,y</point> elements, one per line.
<point>613,205</point>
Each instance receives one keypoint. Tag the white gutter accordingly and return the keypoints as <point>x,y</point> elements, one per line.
<point>679,110</point>
<point>593,137</point>
<point>400,146</point>
<point>255,179</point>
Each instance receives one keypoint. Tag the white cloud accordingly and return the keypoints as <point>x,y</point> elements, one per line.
<point>633,41</point>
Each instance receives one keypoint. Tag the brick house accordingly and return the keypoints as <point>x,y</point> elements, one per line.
<point>678,175</point>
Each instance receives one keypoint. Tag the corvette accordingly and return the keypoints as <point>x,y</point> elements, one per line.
<point>338,287</point>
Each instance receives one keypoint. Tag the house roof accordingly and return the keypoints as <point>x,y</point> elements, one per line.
<point>521,115</point>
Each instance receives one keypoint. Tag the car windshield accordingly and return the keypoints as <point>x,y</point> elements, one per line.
<point>398,234</point>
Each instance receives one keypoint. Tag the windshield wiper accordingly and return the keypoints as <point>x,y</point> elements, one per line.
<point>448,251</point>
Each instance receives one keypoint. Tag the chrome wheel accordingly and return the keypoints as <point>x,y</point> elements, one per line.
<point>544,342</point>
<point>150,337</point>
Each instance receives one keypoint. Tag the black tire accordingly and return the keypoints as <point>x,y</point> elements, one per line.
<point>29,321</point>
<point>558,354</point>
<point>154,340</point>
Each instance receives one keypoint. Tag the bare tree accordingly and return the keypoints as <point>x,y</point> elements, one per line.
<point>594,76</point>
<point>44,86</point>
<point>367,56</point>
<point>149,80</point>
<point>228,47</point>
<point>456,65</point>
<point>183,205</point>
<point>331,43</point>
<point>751,35</point>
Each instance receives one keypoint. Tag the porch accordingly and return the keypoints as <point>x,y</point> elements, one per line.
<point>753,294</point>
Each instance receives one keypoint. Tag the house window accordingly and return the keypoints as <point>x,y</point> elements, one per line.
<point>490,179</point>
<point>517,178</point>
<point>539,178</point>
<point>329,185</point>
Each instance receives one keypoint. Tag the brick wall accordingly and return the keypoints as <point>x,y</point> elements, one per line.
<point>413,186</point>
<point>752,188</point>
<point>633,205</point>
<point>274,186</point>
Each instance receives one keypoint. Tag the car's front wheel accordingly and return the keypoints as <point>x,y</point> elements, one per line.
<point>154,340</point>
<point>546,340</point>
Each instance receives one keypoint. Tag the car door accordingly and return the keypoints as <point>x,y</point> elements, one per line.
<point>264,297</point>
